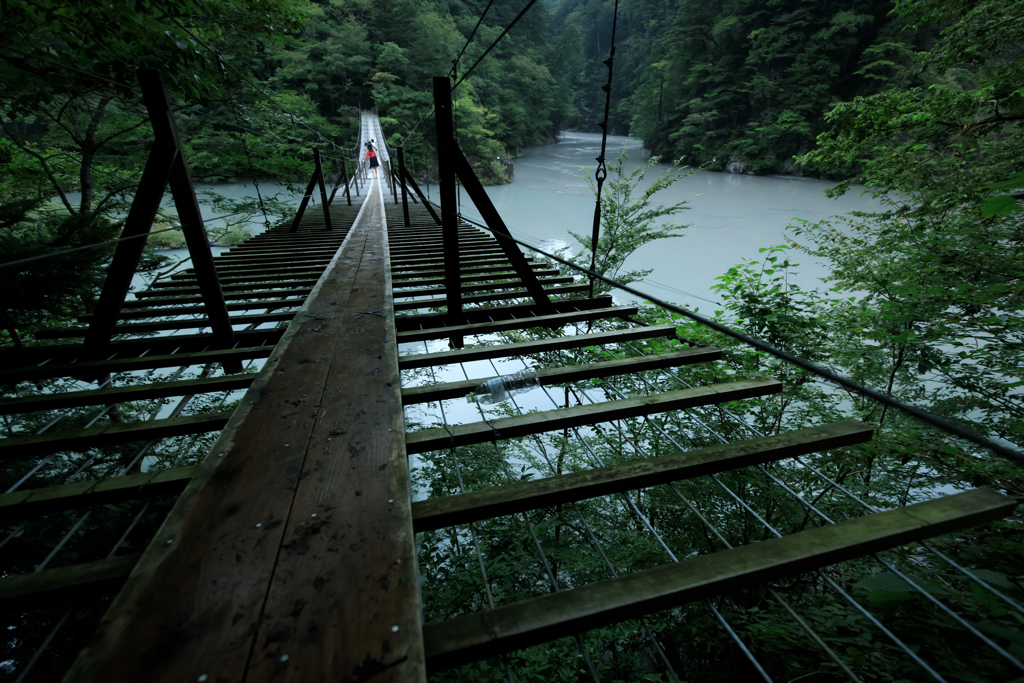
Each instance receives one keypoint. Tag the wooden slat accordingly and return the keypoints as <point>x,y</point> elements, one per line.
<point>569,373</point>
<point>65,584</point>
<point>137,392</point>
<point>483,298</point>
<point>577,416</point>
<point>425,360</point>
<point>109,435</point>
<point>167,325</point>
<point>478,277</point>
<point>176,301</point>
<point>94,492</point>
<point>148,362</point>
<point>556,320</point>
<point>483,287</point>
<point>266,276</point>
<point>187,291</point>
<point>492,632</point>
<point>426,321</point>
<point>157,312</point>
<point>436,513</point>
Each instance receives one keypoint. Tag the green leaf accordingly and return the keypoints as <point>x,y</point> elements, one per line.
<point>1000,205</point>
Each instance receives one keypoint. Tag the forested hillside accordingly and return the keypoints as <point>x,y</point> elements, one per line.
<point>734,84</point>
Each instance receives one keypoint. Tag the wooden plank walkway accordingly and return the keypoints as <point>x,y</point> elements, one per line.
<point>297,527</point>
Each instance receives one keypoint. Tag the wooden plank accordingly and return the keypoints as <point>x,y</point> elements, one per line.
<point>175,301</point>
<point>136,392</point>
<point>185,291</point>
<point>265,276</point>
<point>109,435</point>
<point>556,320</point>
<point>483,287</point>
<point>160,312</point>
<point>395,270</point>
<point>166,325</point>
<point>16,363</point>
<point>481,277</point>
<point>482,298</point>
<point>426,321</point>
<point>466,270</point>
<point>425,360</point>
<point>65,584</point>
<point>569,373</point>
<point>577,416</point>
<point>319,432</point>
<point>94,492</point>
<point>436,513</point>
<point>492,632</point>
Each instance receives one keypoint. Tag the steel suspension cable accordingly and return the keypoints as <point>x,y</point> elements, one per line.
<point>602,170</point>
<point>496,41</point>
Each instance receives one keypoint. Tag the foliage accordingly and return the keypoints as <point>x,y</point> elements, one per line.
<point>628,222</point>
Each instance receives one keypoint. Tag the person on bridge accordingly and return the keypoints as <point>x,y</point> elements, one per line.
<point>371,154</point>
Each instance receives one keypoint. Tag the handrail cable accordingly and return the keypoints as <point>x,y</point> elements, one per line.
<point>496,41</point>
<point>934,420</point>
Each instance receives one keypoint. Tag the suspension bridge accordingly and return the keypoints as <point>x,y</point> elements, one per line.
<point>290,552</point>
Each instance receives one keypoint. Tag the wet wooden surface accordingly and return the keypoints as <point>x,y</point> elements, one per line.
<point>243,582</point>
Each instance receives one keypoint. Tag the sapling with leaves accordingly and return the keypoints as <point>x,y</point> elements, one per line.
<point>630,218</point>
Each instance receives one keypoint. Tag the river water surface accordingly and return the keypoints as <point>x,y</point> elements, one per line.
<point>730,216</point>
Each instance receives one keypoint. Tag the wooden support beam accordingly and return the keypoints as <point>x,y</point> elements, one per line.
<point>436,513</point>
<point>125,262</point>
<point>109,435</point>
<point>553,321</point>
<point>489,633</point>
<point>493,220</point>
<point>134,392</point>
<point>569,373</point>
<point>423,199</point>
<point>426,360</point>
<point>323,190</point>
<point>65,584</point>
<point>446,187</point>
<point>405,194</point>
<point>155,98</point>
<point>93,492</point>
<point>576,416</point>
<point>305,198</point>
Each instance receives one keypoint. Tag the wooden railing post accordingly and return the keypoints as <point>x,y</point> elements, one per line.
<point>344,175</point>
<point>449,215</point>
<point>401,176</point>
